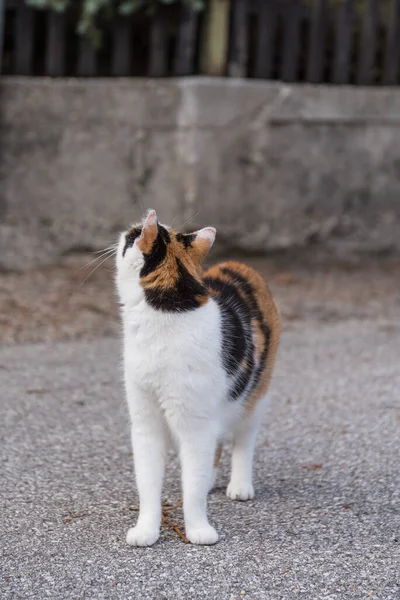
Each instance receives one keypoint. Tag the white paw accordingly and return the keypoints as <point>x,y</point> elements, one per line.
<point>141,536</point>
<point>241,491</point>
<point>202,535</point>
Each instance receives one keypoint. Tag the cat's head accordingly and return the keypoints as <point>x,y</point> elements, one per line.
<point>165,264</point>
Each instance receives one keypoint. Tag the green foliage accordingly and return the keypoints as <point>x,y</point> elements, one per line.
<point>93,12</point>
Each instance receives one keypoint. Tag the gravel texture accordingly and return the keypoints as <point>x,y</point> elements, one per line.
<point>325,522</point>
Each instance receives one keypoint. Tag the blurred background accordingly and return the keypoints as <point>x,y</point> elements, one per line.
<point>276,121</point>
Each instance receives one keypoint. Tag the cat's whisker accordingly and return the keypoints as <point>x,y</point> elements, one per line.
<point>189,220</point>
<point>107,253</point>
<point>110,247</point>
<point>173,220</point>
<point>99,258</point>
<point>95,269</point>
<point>104,251</point>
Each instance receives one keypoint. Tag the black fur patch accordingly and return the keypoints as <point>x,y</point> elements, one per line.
<point>130,238</point>
<point>186,239</point>
<point>234,339</point>
<point>157,253</point>
<point>229,298</point>
<point>184,296</point>
<point>243,380</point>
<point>247,289</point>
<point>236,333</point>
<point>227,294</point>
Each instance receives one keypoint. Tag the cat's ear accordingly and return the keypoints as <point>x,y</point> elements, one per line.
<point>203,241</point>
<point>149,232</point>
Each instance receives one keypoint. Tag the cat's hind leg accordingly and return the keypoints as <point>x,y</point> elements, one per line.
<point>244,438</point>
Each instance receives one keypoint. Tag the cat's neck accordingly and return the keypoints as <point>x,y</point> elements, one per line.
<point>185,293</point>
<point>152,322</point>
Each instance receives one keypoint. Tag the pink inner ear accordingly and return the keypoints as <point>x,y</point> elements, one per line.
<point>210,230</point>
<point>150,220</point>
<point>208,233</point>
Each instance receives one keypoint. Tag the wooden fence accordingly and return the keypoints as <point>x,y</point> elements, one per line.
<point>332,41</point>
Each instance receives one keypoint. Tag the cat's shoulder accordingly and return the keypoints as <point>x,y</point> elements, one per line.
<point>233,276</point>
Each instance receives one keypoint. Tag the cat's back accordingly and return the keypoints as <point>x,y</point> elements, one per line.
<point>237,284</point>
<point>251,327</point>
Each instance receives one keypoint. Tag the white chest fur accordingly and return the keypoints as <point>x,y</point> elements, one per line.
<point>176,358</point>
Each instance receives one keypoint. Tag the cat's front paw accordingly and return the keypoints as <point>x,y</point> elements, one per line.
<point>202,535</point>
<point>141,536</point>
<point>241,491</point>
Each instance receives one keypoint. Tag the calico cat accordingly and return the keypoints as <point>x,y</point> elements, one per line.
<point>199,350</point>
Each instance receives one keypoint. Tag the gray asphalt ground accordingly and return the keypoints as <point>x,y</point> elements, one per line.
<point>325,519</point>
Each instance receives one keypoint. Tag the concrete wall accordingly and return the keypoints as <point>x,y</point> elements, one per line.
<point>271,166</point>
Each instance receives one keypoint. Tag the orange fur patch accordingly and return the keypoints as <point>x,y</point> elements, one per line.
<point>166,274</point>
<point>199,250</point>
<point>147,238</point>
<point>258,337</point>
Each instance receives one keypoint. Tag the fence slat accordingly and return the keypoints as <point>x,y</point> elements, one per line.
<point>275,53</point>
<point>291,37</point>
<point>122,47</point>
<point>55,50</point>
<point>393,46</point>
<point>316,51</point>
<point>367,49</point>
<point>186,46</point>
<point>86,59</point>
<point>24,40</point>
<point>238,56</point>
<point>158,61</point>
<point>215,34</point>
<point>2,11</point>
<point>267,16</point>
<point>344,30</point>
